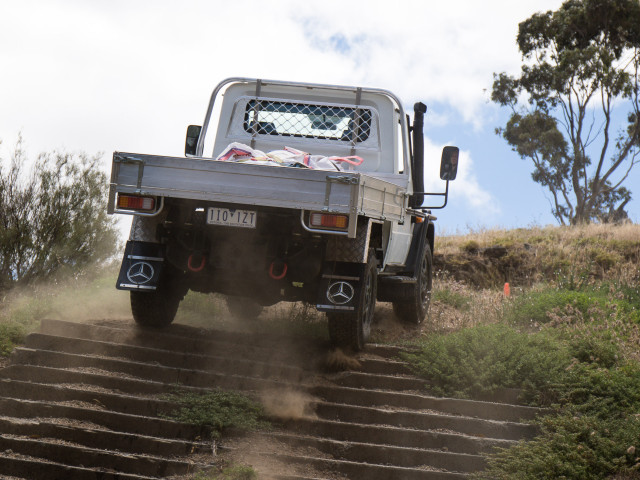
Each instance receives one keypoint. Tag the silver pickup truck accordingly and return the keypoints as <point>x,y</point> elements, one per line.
<point>338,236</point>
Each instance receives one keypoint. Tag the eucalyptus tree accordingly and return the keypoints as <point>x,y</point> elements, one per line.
<point>575,110</point>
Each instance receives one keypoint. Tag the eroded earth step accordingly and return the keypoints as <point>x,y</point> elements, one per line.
<point>74,454</point>
<point>417,401</point>
<point>303,353</point>
<point>188,339</point>
<point>425,421</point>
<point>168,358</point>
<point>375,422</point>
<point>92,436</point>
<point>371,471</point>
<point>493,410</point>
<point>136,405</point>
<point>371,453</point>
<point>391,435</point>
<point>31,468</point>
<point>336,394</point>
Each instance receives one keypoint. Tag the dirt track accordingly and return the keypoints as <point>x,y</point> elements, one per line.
<point>81,402</point>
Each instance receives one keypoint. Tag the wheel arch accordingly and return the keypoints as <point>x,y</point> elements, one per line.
<point>431,235</point>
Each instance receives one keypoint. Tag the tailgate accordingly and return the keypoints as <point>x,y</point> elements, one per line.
<point>242,183</point>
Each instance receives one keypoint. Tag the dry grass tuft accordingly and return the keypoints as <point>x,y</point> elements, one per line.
<point>524,257</point>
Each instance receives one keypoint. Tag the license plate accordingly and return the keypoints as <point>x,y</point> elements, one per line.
<point>231,217</point>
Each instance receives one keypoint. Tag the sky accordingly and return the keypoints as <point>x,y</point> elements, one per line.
<point>104,76</point>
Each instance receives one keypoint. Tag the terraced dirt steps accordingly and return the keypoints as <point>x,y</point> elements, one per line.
<point>82,401</point>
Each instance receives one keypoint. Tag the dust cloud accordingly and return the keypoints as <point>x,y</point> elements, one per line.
<point>74,300</point>
<point>338,361</point>
<point>288,404</point>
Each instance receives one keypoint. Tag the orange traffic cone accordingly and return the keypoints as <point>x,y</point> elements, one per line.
<point>507,289</point>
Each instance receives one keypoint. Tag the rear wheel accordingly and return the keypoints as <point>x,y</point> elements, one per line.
<point>157,309</point>
<point>352,330</point>
<point>415,306</point>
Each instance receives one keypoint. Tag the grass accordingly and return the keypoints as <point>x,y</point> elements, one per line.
<point>542,254</point>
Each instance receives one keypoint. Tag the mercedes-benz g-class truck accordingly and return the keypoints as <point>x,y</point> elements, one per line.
<point>287,192</point>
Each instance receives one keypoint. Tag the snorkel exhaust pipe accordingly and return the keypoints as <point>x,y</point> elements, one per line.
<point>417,165</point>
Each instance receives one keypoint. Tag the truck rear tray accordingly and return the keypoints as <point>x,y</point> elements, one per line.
<point>351,193</point>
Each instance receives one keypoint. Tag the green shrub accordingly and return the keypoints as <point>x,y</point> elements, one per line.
<point>217,411</point>
<point>535,307</point>
<point>599,349</point>
<point>475,362</point>
<point>11,334</point>
<point>594,434</point>
<point>570,447</point>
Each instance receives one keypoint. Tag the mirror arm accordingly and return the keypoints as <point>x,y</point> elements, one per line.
<point>444,194</point>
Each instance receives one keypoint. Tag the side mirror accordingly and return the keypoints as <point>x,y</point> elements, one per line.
<point>449,163</point>
<point>191,145</point>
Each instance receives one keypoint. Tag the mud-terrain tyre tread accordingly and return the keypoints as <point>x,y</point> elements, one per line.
<point>414,308</point>
<point>153,309</point>
<point>349,330</point>
<point>158,309</point>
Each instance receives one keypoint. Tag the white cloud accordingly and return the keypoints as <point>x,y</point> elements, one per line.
<point>130,76</point>
<point>442,52</point>
<point>94,75</point>
<point>465,187</point>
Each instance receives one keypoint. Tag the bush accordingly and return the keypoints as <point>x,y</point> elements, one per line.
<point>570,447</point>
<point>10,335</point>
<point>217,411</point>
<point>477,361</point>
<point>594,434</point>
<point>537,307</point>
<point>54,220</point>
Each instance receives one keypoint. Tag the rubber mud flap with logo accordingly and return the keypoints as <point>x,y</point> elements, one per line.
<point>339,289</point>
<point>141,266</point>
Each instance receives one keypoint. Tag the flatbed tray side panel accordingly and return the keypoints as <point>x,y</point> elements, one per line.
<point>381,199</point>
<point>229,182</point>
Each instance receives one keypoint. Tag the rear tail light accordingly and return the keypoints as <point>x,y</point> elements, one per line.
<point>324,220</point>
<point>135,202</point>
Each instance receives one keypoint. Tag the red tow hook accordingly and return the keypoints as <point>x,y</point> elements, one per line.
<point>281,275</point>
<point>198,269</point>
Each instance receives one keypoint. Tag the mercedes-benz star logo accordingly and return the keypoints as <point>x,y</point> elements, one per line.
<point>340,293</point>
<point>140,273</point>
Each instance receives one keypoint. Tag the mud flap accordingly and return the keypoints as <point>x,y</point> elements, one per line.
<point>141,267</point>
<point>340,287</point>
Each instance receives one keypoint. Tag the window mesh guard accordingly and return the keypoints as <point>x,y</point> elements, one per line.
<point>310,121</point>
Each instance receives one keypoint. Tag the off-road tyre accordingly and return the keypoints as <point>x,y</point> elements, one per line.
<point>243,308</point>
<point>414,307</point>
<point>352,330</point>
<point>157,309</point>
